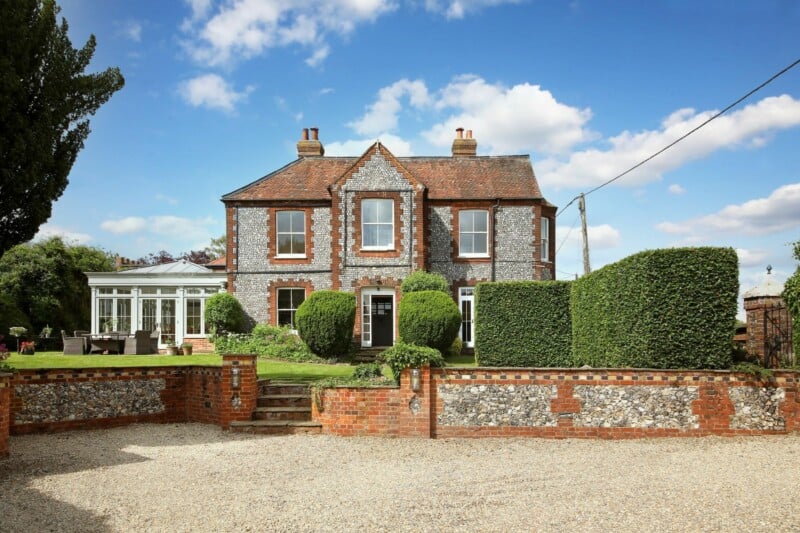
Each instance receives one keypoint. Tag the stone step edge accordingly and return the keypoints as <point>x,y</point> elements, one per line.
<point>277,423</point>
<point>284,396</point>
<point>282,409</point>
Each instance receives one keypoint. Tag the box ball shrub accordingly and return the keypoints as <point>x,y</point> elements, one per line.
<point>325,322</point>
<point>420,280</point>
<point>429,318</point>
<point>224,314</point>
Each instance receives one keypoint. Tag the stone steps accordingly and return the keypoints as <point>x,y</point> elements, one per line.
<point>282,409</point>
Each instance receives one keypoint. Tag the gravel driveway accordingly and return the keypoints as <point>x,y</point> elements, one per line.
<point>193,477</point>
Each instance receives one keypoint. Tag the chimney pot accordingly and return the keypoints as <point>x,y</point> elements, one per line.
<point>460,133</point>
<point>312,147</point>
<point>314,134</point>
<point>464,147</point>
<point>305,134</point>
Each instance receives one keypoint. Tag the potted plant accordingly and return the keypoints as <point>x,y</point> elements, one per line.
<point>187,348</point>
<point>171,348</point>
<point>46,331</point>
<point>28,348</point>
<point>108,325</point>
<point>17,331</point>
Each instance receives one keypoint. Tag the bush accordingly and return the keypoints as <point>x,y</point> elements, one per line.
<point>224,314</point>
<point>672,308</point>
<point>367,371</point>
<point>429,318</point>
<point>402,356</point>
<point>419,280</point>
<point>325,322</point>
<point>523,323</point>
<point>11,315</point>
<point>270,342</point>
<point>455,348</point>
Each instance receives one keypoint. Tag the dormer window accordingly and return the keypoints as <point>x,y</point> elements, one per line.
<point>377,224</point>
<point>291,234</point>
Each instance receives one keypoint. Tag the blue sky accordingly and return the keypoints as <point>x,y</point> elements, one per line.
<point>217,93</point>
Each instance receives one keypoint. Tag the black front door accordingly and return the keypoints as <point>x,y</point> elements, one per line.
<point>382,321</point>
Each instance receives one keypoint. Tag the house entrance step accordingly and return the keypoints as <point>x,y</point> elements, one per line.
<point>282,409</point>
<point>367,355</point>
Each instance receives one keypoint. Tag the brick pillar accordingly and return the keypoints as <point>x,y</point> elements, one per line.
<point>416,408</point>
<point>714,408</point>
<point>5,412</point>
<point>238,403</point>
<point>565,405</point>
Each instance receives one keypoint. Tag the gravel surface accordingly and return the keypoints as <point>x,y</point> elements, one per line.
<point>193,477</point>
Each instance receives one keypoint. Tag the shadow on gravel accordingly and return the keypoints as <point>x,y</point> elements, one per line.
<point>41,455</point>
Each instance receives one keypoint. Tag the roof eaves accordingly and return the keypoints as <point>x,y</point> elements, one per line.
<point>230,195</point>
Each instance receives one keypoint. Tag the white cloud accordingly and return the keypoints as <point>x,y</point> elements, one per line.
<point>382,114</point>
<point>751,258</point>
<point>164,198</point>
<point>50,230</point>
<point>747,126</point>
<point>124,225</point>
<point>505,120</point>
<point>162,226</point>
<point>132,30</point>
<point>457,9</point>
<point>601,237</point>
<point>213,92</point>
<point>778,212</point>
<point>241,29</point>
<point>356,147</point>
<point>675,188</point>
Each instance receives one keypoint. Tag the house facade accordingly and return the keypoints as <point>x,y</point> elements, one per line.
<point>362,224</point>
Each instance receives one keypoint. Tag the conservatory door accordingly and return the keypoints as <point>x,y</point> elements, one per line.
<point>466,302</point>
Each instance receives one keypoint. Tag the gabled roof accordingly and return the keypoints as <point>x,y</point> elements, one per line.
<point>177,267</point>
<point>446,178</point>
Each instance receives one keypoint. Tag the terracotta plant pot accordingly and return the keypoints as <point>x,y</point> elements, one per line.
<point>172,350</point>
<point>187,350</point>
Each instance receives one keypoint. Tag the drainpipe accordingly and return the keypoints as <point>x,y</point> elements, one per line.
<point>495,207</point>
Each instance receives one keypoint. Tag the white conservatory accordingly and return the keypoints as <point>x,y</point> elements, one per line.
<point>170,297</point>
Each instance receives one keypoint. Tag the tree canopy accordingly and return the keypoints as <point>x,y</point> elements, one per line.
<point>45,99</point>
<point>791,295</point>
<point>44,281</point>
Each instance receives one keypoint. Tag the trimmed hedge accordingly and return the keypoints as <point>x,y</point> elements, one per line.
<point>672,308</point>
<point>419,280</point>
<point>523,323</point>
<point>325,322</point>
<point>429,318</point>
<point>224,314</point>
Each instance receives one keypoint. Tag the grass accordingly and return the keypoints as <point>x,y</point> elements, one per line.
<point>460,360</point>
<point>267,369</point>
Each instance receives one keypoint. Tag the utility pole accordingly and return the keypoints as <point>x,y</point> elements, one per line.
<point>582,208</point>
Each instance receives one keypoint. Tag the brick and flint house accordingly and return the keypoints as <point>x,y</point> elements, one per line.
<point>362,224</point>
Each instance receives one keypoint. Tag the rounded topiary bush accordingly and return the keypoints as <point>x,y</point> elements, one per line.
<point>325,322</point>
<point>429,318</point>
<point>224,314</point>
<point>420,280</point>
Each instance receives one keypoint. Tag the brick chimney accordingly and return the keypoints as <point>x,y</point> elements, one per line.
<point>309,148</point>
<point>464,147</point>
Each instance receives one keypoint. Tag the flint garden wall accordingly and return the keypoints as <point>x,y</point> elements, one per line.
<point>566,403</point>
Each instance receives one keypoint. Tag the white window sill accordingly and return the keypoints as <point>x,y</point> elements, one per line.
<point>291,256</point>
<point>376,249</point>
<point>473,256</point>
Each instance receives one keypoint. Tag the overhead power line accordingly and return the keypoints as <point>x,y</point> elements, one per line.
<point>682,137</point>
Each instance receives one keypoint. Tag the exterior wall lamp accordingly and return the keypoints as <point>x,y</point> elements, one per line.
<point>415,380</point>
<point>236,377</point>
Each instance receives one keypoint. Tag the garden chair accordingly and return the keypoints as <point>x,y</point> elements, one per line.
<point>138,343</point>
<point>154,340</point>
<point>74,345</point>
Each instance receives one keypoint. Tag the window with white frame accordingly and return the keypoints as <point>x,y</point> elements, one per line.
<point>290,231</point>
<point>545,239</point>
<point>473,233</point>
<point>377,224</point>
<point>289,299</point>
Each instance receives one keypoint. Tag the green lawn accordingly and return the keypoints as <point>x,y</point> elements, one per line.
<point>267,369</point>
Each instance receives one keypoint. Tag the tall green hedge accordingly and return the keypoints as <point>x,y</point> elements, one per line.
<point>672,308</point>
<point>325,322</point>
<point>523,323</point>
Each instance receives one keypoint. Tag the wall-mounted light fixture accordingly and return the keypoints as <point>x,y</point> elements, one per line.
<point>415,379</point>
<point>235,377</point>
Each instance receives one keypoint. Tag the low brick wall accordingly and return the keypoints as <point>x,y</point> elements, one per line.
<point>56,399</point>
<point>562,403</point>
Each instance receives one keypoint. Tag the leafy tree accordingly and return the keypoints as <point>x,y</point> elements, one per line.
<point>45,99</point>
<point>217,247</point>
<point>198,257</point>
<point>46,282</point>
<point>224,314</point>
<point>157,258</point>
<point>791,295</point>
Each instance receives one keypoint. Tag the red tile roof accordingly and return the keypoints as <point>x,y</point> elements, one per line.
<point>450,178</point>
